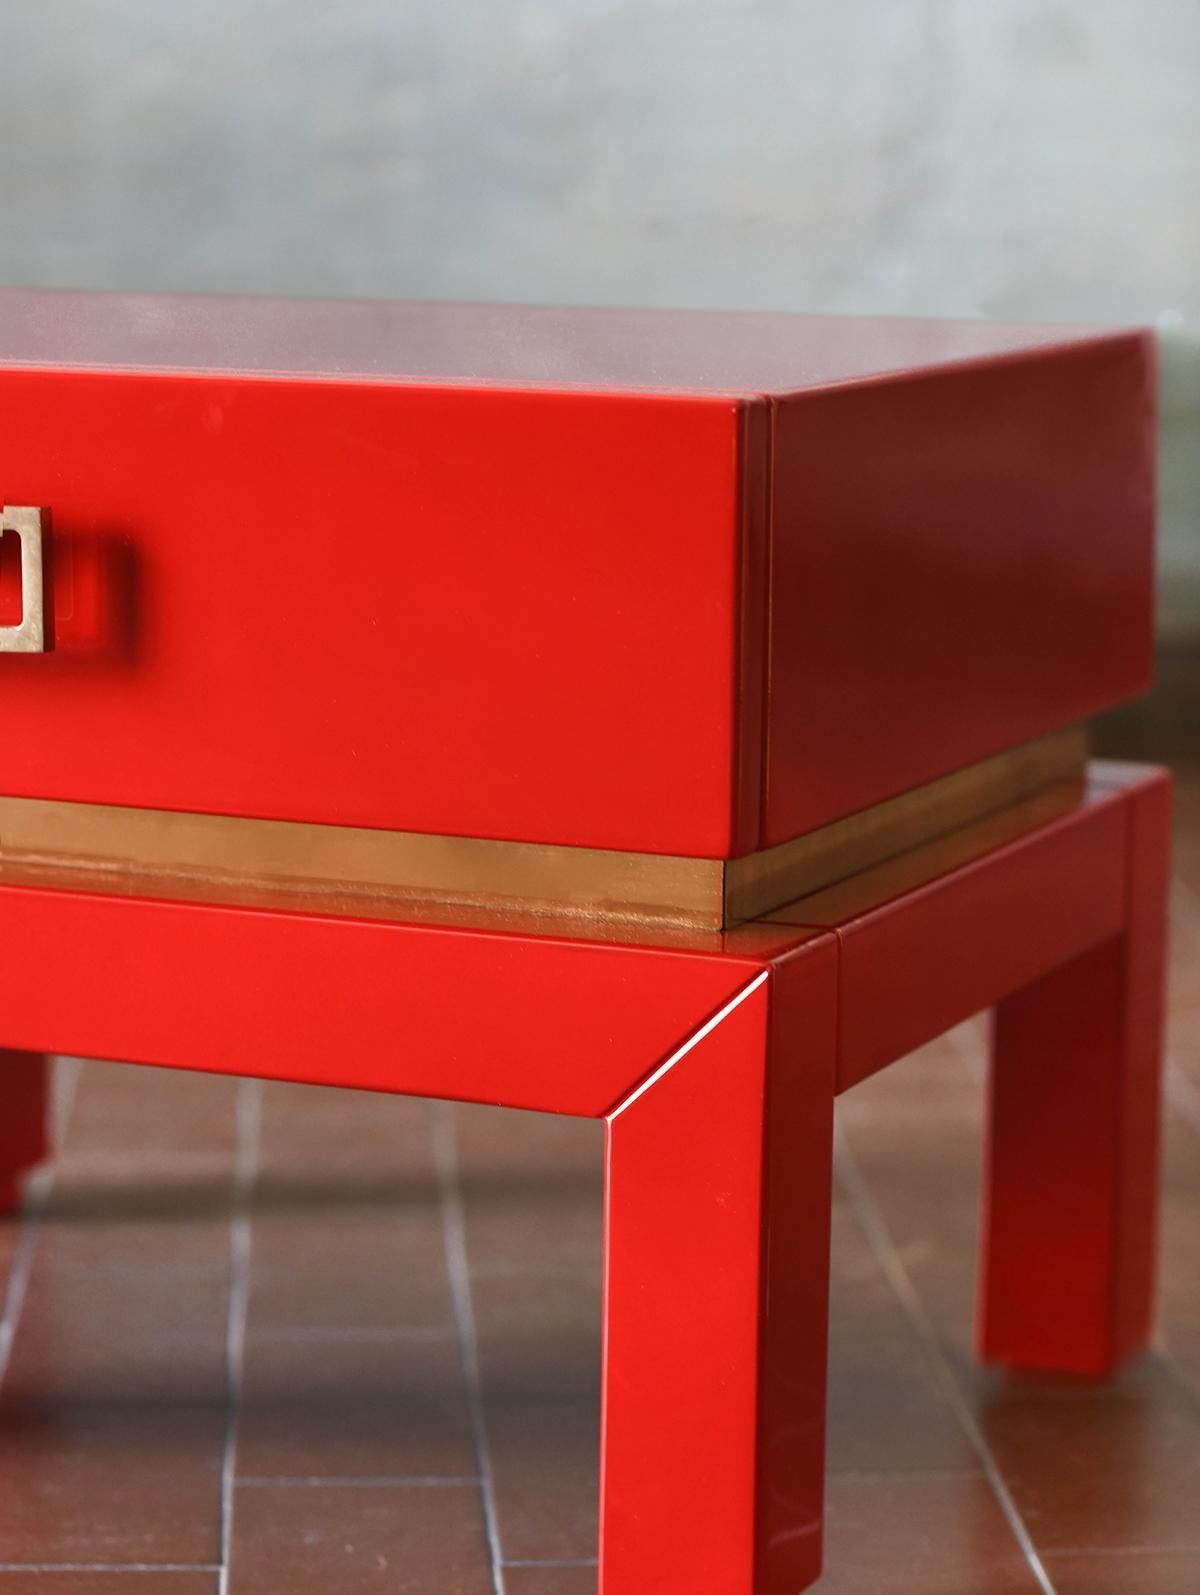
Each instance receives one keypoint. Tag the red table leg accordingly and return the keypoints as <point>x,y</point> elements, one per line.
<point>716,1300</point>
<point>1072,1183</point>
<point>24,1078</point>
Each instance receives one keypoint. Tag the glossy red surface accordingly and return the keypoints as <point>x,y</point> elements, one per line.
<point>794,1291</point>
<point>526,1021</point>
<point>1067,1276</point>
<point>683,1253</point>
<point>1142,1042</point>
<point>673,583</point>
<point>716,1070</point>
<point>717,1279</point>
<point>433,610</point>
<point>961,561</point>
<point>915,964</point>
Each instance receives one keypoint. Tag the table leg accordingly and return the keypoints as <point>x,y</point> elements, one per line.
<point>716,1301</point>
<point>24,1081</point>
<point>1071,1188</point>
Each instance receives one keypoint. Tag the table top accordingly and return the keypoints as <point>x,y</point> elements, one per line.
<point>672,351</point>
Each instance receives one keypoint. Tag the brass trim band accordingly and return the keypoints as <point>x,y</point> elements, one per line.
<point>761,882</point>
<point>473,872</point>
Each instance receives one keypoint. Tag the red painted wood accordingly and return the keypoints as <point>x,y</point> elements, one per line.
<point>463,611</point>
<point>918,960</point>
<point>534,574</point>
<point>756,443</point>
<point>716,1302</point>
<point>1071,1191</point>
<point>794,1300</point>
<point>1140,1108</point>
<point>527,1021</point>
<point>719,1178</point>
<point>24,1140</point>
<point>962,560</point>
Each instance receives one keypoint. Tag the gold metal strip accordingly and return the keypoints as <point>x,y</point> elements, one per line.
<point>766,880</point>
<point>460,870</point>
<point>332,864</point>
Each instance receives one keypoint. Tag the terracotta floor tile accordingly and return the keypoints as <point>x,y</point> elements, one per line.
<point>355,1408</point>
<point>1102,1473</point>
<point>545,1461</point>
<point>920,1535</point>
<point>533,1200</point>
<point>539,1348</point>
<point>550,1581</point>
<point>313,1137</point>
<point>562,1233</point>
<point>318,1266</point>
<point>1144,1379</point>
<point>153,1581</point>
<point>111,1482</point>
<point>1144,1573</point>
<point>915,1133</point>
<point>539,1335</point>
<point>112,1417</point>
<point>886,1410</point>
<point>159,1210</point>
<point>359,1540</point>
<point>533,1194</point>
<point>119,1108</point>
<point>524,1144</point>
<point>116,1336</point>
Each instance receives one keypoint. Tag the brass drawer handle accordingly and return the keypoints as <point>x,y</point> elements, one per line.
<point>30,636</point>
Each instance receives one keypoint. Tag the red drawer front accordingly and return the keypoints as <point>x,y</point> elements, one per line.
<point>581,610</point>
<point>962,559</point>
<point>467,611</point>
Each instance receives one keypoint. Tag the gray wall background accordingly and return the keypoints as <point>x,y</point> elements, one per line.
<point>1012,158</point>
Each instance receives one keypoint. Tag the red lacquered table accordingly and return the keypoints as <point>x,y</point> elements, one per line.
<point>653,718</point>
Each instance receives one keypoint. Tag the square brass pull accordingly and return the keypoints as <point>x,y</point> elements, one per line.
<point>30,636</point>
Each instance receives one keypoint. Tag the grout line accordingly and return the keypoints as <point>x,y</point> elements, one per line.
<point>445,1156</point>
<point>248,1124</point>
<point>290,1481</point>
<point>898,1278</point>
<point>37,1193</point>
<point>64,1086</point>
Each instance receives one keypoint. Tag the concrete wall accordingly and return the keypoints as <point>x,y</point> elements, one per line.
<point>999,157</point>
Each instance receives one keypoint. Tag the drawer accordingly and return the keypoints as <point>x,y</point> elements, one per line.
<point>671,584</point>
<point>473,612</point>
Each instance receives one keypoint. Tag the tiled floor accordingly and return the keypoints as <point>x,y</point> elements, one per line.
<point>264,1341</point>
